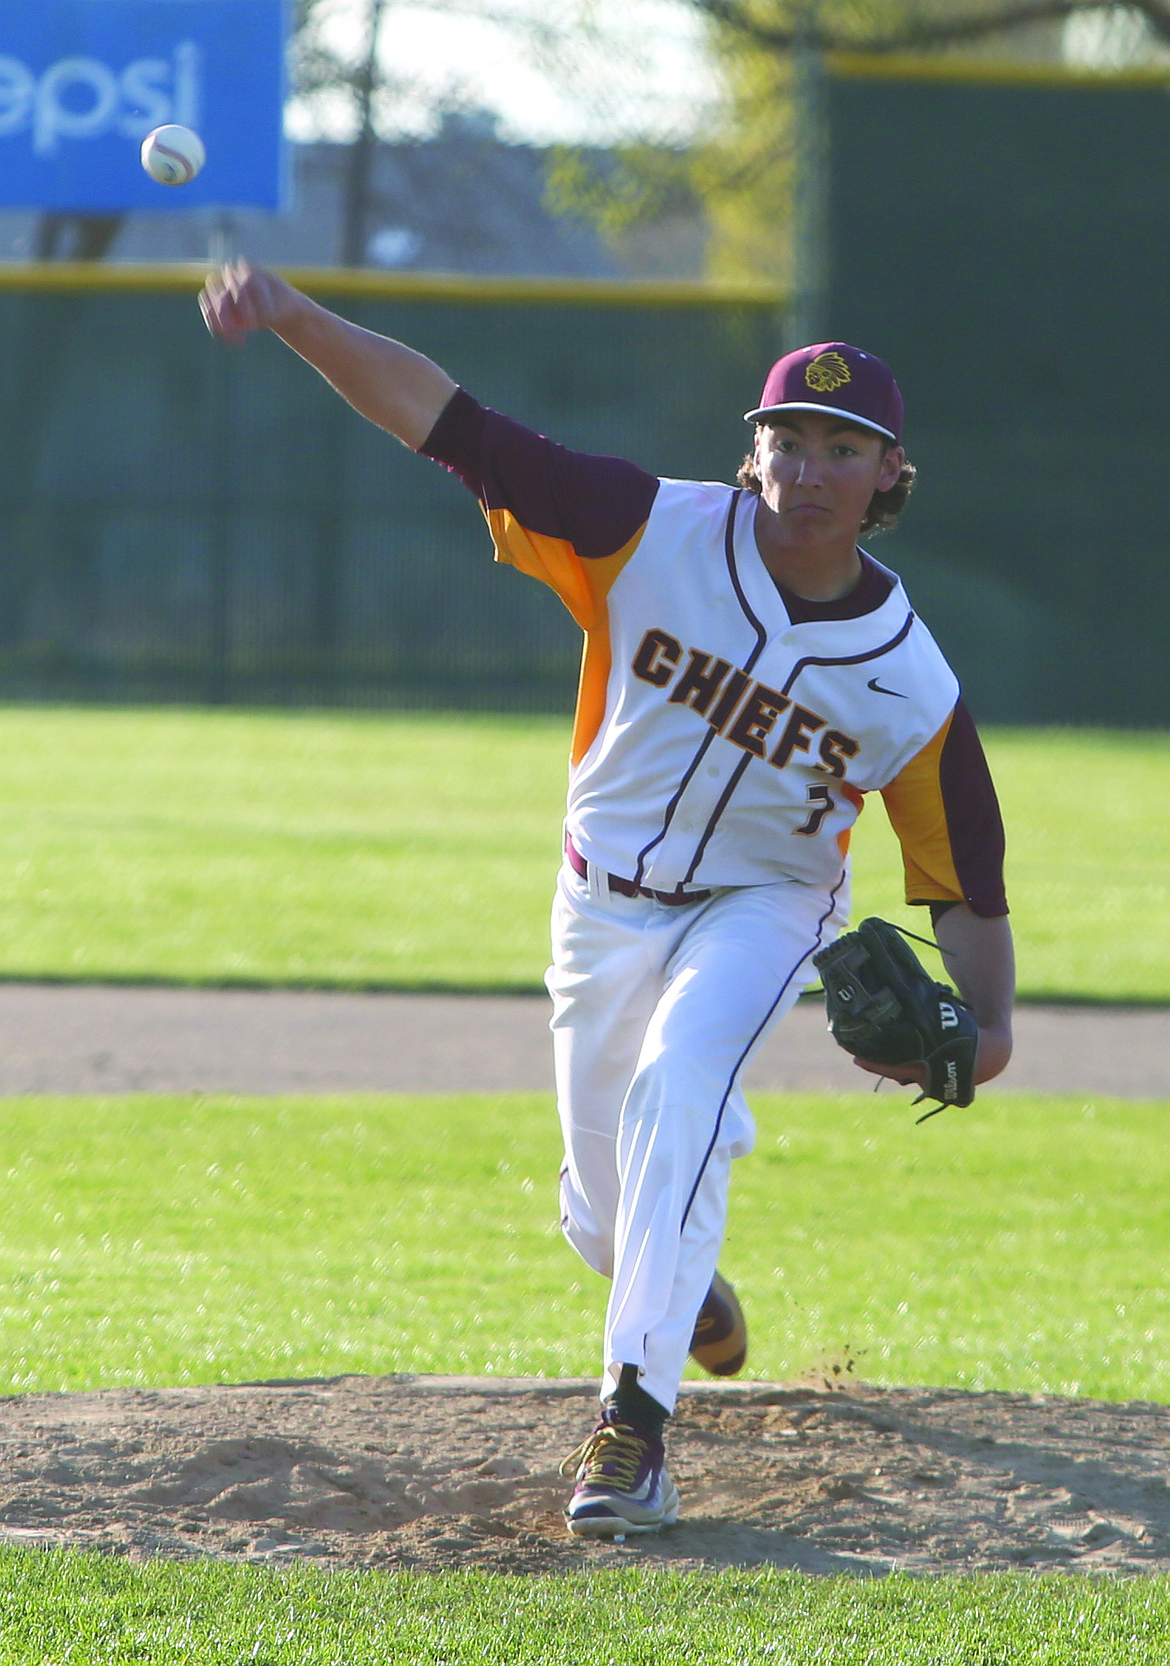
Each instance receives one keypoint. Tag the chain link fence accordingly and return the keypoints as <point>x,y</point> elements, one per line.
<point>186,522</point>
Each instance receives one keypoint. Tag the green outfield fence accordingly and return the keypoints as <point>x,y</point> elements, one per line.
<point>1002,238</point>
<point>184,521</point>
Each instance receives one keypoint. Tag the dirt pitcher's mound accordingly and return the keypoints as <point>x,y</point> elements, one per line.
<point>439,1472</point>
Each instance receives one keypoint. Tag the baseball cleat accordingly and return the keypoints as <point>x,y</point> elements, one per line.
<point>622,1484</point>
<point>719,1343</point>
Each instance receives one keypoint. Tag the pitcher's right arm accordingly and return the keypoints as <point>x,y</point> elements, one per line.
<point>387,382</point>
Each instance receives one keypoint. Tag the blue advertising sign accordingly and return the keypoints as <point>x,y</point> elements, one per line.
<point>82,82</point>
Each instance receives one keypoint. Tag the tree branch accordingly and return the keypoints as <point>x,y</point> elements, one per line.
<point>734,15</point>
<point>1157,15</point>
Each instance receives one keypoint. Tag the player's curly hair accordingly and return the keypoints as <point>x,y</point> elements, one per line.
<point>884,507</point>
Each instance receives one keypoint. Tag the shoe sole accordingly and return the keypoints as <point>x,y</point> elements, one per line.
<point>613,1526</point>
<point>720,1341</point>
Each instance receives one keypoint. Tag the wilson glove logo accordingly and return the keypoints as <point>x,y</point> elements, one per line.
<point>948,1018</point>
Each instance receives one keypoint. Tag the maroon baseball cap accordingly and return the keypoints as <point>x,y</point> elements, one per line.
<point>838,379</point>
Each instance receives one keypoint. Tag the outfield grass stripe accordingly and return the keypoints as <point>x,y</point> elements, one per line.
<point>89,1609</point>
<point>167,1240</point>
<point>419,851</point>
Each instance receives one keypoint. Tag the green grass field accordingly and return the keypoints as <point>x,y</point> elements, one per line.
<point>237,847</point>
<point>158,1241</point>
<point>414,850</point>
<point>93,1612</point>
<point>155,1241</point>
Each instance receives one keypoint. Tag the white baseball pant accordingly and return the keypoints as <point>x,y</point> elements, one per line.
<point>656,1009</point>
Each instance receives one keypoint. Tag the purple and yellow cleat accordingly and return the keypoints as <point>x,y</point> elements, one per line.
<point>719,1343</point>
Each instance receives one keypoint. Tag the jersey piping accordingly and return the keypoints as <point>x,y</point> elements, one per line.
<point>708,738</point>
<point>763,1024</point>
<point>675,616</point>
<point>849,659</point>
<point>747,760</point>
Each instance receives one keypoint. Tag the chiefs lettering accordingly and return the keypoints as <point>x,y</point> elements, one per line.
<point>743,711</point>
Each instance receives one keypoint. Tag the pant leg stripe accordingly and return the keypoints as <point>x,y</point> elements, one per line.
<point>751,1043</point>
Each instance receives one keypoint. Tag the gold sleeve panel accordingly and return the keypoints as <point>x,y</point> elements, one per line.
<point>596,661</point>
<point>582,585</point>
<point>914,804</point>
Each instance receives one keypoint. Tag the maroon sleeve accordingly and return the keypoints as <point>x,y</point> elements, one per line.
<point>973,816</point>
<point>597,504</point>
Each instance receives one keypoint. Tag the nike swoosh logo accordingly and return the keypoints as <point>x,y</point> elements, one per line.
<point>878,689</point>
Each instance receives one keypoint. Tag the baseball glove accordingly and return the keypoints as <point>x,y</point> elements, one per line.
<point>883,1005</point>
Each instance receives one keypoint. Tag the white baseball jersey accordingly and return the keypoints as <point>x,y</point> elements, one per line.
<point>735,745</point>
<point>720,740</point>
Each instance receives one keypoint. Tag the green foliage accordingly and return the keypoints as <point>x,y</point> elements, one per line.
<point>617,189</point>
<point>745,171</point>
<point>872,25</point>
<point>164,1240</point>
<point>741,168</point>
<point>738,175</point>
<point>96,1611</point>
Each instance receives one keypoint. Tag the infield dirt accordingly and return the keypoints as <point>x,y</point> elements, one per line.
<point>435,1473</point>
<point>430,1474</point>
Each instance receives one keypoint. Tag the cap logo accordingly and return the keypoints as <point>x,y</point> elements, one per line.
<point>826,372</point>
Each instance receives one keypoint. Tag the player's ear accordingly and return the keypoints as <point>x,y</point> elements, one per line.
<point>893,463</point>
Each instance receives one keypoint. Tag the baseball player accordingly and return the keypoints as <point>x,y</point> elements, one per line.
<point>749,674</point>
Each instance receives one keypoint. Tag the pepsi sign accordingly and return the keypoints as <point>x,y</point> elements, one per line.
<point>82,82</point>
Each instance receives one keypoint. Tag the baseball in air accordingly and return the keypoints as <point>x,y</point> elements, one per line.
<point>172,154</point>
